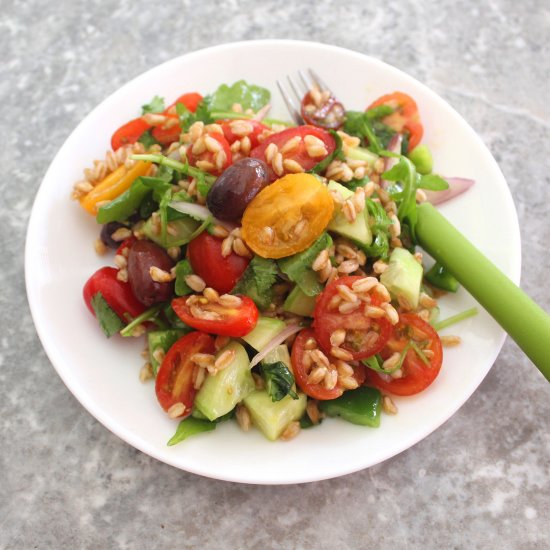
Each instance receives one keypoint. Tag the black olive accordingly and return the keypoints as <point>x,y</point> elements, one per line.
<point>106,234</point>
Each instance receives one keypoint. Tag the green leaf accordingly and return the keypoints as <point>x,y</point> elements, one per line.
<point>190,426</point>
<point>147,139</point>
<point>336,154</point>
<point>279,381</point>
<point>183,268</point>
<point>156,105</point>
<point>432,182</point>
<point>380,246</point>
<point>257,281</point>
<point>109,321</point>
<point>298,267</point>
<point>249,96</point>
<point>380,111</point>
<point>360,125</point>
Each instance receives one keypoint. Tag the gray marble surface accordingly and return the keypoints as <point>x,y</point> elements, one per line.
<point>480,481</point>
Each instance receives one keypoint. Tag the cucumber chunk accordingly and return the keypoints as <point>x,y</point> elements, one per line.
<point>272,418</point>
<point>403,277</point>
<point>299,303</point>
<point>265,330</point>
<point>220,393</point>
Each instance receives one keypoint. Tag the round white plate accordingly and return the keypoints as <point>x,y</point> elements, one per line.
<point>103,374</point>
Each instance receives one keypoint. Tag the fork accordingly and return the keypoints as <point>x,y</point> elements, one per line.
<point>525,321</point>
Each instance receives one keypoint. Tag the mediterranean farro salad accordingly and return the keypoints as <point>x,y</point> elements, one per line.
<point>273,268</point>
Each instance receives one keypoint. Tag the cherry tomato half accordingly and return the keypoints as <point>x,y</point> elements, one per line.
<point>129,133</point>
<point>170,131</point>
<point>417,375</point>
<point>287,216</point>
<point>207,160</point>
<point>174,382</point>
<point>317,391</point>
<point>328,113</point>
<point>117,294</point>
<point>205,255</point>
<point>360,328</point>
<point>306,157</point>
<point>232,132</point>
<point>404,118</point>
<point>190,100</point>
<point>229,321</point>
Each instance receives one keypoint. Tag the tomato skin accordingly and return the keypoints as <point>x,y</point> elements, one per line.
<point>117,294</point>
<point>174,382</point>
<point>191,100</point>
<point>326,321</point>
<point>166,136</point>
<point>298,154</point>
<point>406,116</point>
<point>219,273</point>
<point>316,391</point>
<point>209,157</point>
<point>129,133</point>
<point>417,376</point>
<point>257,131</point>
<point>125,246</point>
<point>235,322</point>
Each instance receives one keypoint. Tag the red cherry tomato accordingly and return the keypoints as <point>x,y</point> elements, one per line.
<point>317,391</point>
<point>169,132</point>
<point>190,100</point>
<point>174,382</point>
<point>357,325</point>
<point>258,129</point>
<point>231,321</point>
<point>300,154</point>
<point>205,255</point>
<point>129,133</point>
<point>209,158</point>
<point>117,294</point>
<point>125,246</point>
<point>328,114</point>
<point>404,118</point>
<point>417,375</point>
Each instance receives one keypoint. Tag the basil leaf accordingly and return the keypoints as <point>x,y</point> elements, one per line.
<point>279,381</point>
<point>109,321</point>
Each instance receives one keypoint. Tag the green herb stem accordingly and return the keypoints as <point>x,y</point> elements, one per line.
<point>526,322</point>
<point>145,316</point>
<point>185,169</point>
<point>444,323</point>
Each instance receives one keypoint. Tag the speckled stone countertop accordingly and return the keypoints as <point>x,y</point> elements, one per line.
<point>481,481</point>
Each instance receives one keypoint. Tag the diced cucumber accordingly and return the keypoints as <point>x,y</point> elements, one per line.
<point>403,277</point>
<point>361,406</point>
<point>265,330</point>
<point>181,231</point>
<point>279,353</point>
<point>358,231</point>
<point>299,303</point>
<point>360,153</point>
<point>221,392</point>
<point>422,159</point>
<point>273,418</point>
<point>163,339</point>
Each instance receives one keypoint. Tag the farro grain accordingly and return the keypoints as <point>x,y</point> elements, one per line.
<point>374,312</point>
<point>205,165</point>
<point>227,246</point>
<point>99,247</point>
<point>320,358</point>
<point>347,294</point>
<point>427,301</point>
<point>316,375</point>
<point>195,282</point>
<point>199,376</point>
<point>450,341</point>
<point>312,410</point>
<point>246,145</point>
<point>121,234</point>
<point>292,430</point>
<point>146,373</point>
<point>348,266</point>
<point>391,313</point>
<point>388,406</point>
<point>392,361</point>
<point>349,211</point>
<point>291,145</point>
<point>224,359</point>
<point>331,379</point>
<point>270,152</point>
<point>241,249</point>
<point>340,353</point>
<point>277,164</point>
<point>211,295</point>
<point>348,307</point>
<point>365,284</point>
<point>159,275</point>
<point>176,410</point>
<point>292,166</point>
<point>337,337</point>
<point>230,301</point>
<point>243,417</point>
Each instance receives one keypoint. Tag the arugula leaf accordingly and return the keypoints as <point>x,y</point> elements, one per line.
<point>298,267</point>
<point>190,426</point>
<point>278,380</point>
<point>187,118</point>
<point>379,111</point>
<point>156,105</point>
<point>360,125</point>
<point>432,182</point>
<point>109,321</point>
<point>257,281</point>
<point>183,268</point>
<point>380,246</point>
<point>249,96</point>
<point>336,154</point>
<point>147,139</point>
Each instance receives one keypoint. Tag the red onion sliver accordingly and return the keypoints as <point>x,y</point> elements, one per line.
<point>274,342</point>
<point>456,187</point>
<point>199,212</point>
<point>394,146</point>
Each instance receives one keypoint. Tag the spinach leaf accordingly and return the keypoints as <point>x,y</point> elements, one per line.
<point>257,281</point>
<point>183,268</point>
<point>249,96</point>
<point>298,267</point>
<point>156,105</point>
<point>278,380</point>
<point>109,321</point>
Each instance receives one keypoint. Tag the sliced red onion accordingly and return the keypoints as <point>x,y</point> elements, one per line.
<point>199,212</point>
<point>456,187</point>
<point>260,115</point>
<point>394,146</point>
<point>274,342</point>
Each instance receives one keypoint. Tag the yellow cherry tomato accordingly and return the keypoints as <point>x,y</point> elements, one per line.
<point>287,216</point>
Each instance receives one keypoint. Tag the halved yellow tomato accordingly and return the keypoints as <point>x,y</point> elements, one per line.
<point>287,216</point>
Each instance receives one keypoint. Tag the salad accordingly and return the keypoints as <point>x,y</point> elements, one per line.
<point>272,268</point>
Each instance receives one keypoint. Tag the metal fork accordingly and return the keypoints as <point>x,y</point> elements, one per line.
<point>307,83</point>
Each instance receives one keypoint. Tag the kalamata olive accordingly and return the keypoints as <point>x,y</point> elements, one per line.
<point>142,256</point>
<point>236,187</point>
<point>106,234</point>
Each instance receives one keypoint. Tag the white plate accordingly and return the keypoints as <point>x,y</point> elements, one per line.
<point>103,374</point>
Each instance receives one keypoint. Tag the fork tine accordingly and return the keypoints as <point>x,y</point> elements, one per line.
<point>305,81</point>
<point>294,113</point>
<point>317,80</point>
